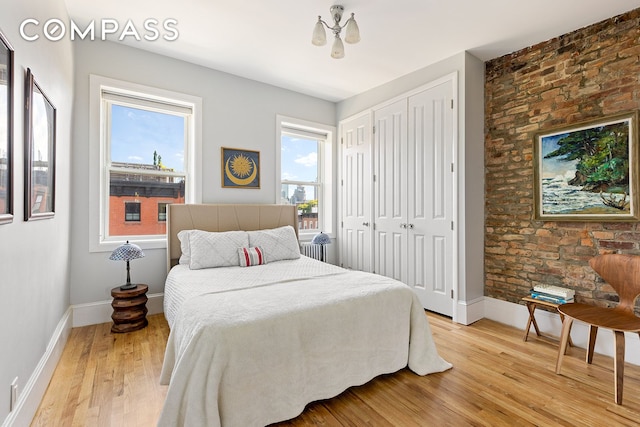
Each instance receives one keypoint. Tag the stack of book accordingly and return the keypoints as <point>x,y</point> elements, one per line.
<point>551,293</point>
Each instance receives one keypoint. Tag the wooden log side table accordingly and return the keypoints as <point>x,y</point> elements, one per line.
<point>129,309</point>
<point>532,304</point>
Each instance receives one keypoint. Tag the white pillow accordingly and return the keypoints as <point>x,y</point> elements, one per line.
<point>209,249</point>
<point>277,243</point>
<point>185,248</point>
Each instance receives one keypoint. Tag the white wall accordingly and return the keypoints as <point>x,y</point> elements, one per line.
<point>470,72</point>
<point>34,255</point>
<point>472,161</point>
<point>238,113</point>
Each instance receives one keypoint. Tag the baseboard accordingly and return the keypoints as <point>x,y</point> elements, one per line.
<point>100,312</point>
<point>516,315</point>
<point>468,312</point>
<point>31,395</point>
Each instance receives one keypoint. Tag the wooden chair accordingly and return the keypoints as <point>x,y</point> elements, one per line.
<point>622,272</point>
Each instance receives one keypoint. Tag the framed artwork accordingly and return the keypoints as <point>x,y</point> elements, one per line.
<point>240,168</point>
<point>40,152</point>
<point>589,171</point>
<point>6,130</point>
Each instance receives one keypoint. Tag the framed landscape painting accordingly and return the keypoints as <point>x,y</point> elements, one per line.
<point>589,171</point>
<point>240,168</point>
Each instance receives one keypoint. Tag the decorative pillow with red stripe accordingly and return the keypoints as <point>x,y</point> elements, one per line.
<point>251,256</point>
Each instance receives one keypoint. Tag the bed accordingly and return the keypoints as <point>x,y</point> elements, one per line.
<point>250,346</point>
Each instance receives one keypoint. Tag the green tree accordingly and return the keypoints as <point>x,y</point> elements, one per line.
<point>602,155</point>
<point>304,207</point>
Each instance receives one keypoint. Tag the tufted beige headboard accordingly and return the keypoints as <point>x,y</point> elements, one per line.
<point>223,218</point>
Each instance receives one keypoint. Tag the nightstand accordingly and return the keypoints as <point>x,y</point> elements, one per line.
<point>129,309</point>
<point>532,304</point>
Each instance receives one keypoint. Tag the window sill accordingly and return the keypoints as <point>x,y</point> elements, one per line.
<point>145,242</point>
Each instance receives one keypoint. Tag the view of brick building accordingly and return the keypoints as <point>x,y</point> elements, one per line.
<point>138,201</point>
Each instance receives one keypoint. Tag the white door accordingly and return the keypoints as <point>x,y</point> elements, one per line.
<point>390,191</point>
<point>430,197</point>
<point>356,251</point>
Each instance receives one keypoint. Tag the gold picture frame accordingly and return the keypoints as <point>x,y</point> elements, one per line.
<point>588,171</point>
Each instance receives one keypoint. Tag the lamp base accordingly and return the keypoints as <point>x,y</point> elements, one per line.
<point>127,286</point>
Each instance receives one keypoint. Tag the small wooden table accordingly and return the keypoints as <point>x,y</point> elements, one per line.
<point>129,309</point>
<point>532,304</point>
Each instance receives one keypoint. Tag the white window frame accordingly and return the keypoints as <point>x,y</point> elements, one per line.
<point>326,150</point>
<point>99,153</point>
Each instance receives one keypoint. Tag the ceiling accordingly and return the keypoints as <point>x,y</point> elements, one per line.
<point>270,41</point>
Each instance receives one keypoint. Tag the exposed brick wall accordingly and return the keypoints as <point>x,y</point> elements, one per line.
<point>589,73</point>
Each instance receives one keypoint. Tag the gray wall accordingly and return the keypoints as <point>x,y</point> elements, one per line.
<point>34,255</point>
<point>237,113</point>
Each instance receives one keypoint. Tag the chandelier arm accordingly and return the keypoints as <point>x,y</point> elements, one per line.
<point>346,22</point>
<point>325,24</point>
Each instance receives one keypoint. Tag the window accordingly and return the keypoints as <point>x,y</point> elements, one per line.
<point>148,157</point>
<point>306,174</point>
<point>145,143</point>
<point>131,211</point>
<point>162,211</point>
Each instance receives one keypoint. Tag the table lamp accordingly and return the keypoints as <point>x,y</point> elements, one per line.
<point>321,239</point>
<point>127,252</point>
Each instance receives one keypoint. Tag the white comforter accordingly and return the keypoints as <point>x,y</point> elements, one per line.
<point>259,352</point>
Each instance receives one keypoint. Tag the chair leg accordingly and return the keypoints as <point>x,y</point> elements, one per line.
<point>570,340</point>
<point>618,369</point>
<point>564,338</point>
<point>531,307</point>
<point>593,333</point>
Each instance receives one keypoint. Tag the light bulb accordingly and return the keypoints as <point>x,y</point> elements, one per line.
<point>337,50</point>
<point>352,32</point>
<point>319,37</point>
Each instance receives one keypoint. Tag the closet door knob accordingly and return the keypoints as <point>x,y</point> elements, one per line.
<point>366,224</point>
<point>403,225</point>
<point>410,226</point>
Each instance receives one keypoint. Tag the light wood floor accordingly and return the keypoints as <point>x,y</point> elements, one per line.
<point>106,379</point>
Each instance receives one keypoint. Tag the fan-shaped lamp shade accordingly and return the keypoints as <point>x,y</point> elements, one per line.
<point>127,252</point>
<point>321,239</point>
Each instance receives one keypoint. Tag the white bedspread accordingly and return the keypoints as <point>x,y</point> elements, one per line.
<point>257,354</point>
<point>183,283</point>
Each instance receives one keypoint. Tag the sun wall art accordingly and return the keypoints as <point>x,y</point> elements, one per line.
<point>240,168</point>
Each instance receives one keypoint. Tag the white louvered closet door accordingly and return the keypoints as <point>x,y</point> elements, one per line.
<point>390,191</point>
<point>356,185</point>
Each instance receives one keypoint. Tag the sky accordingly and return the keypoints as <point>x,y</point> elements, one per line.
<point>299,159</point>
<point>554,167</point>
<point>137,133</point>
<point>40,127</point>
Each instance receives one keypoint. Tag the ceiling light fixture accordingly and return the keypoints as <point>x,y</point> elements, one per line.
<point>352,32</point>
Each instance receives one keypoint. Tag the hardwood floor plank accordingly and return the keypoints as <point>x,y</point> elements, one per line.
<point>106,379</point>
